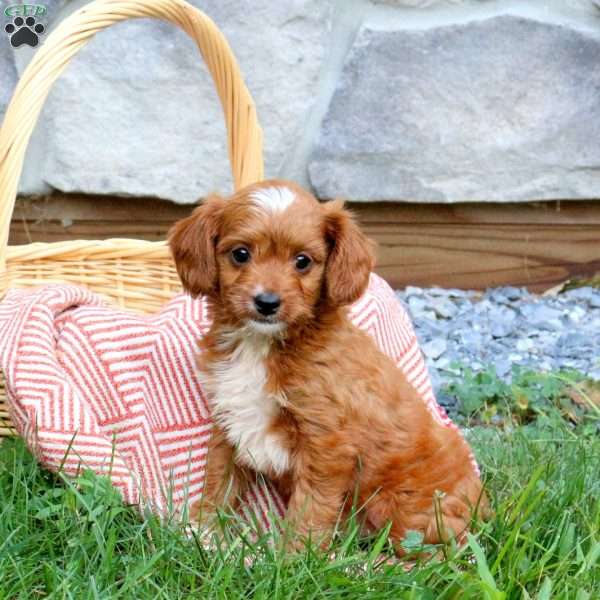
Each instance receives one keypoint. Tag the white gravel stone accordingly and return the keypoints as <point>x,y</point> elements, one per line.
<point>434,349</point>
<point>506,327</point>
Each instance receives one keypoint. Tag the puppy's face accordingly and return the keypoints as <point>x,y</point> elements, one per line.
<point>271,256</point>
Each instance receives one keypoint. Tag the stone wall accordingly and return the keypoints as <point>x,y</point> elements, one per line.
<point>404,100</point>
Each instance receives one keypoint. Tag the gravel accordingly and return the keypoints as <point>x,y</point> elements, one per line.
<point>503,327</point>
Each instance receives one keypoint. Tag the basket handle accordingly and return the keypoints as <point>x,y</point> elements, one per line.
<point>243,131</point>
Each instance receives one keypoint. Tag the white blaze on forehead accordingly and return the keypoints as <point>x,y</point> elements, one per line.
<point>273,199</point>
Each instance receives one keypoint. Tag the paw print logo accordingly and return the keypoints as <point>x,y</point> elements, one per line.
<point>24,31</point>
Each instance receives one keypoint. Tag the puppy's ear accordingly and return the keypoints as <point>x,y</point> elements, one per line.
<point>351,257</point>
<point>192,241</point>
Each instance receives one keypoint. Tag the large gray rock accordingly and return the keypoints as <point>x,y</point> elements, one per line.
<point>419,3</point>
<point>502,109</point>
<point>31,181</point>
<point>8,72</point>
<point>136,112</point>
<point>585,5</point>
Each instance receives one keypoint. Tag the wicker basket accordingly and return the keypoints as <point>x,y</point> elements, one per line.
<point>135,274</point>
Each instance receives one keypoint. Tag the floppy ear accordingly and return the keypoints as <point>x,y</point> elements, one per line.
<point>351,257</point>
<point>192,241</point>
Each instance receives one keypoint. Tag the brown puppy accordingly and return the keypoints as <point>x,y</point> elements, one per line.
<point>298,392</point>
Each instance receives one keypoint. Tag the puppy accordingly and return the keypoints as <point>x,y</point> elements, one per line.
<point>298,392</point>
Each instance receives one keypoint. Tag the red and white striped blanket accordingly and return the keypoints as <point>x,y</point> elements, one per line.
<point>119,390</point>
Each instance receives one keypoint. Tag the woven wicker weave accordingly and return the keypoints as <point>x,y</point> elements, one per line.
<point>135,274</point>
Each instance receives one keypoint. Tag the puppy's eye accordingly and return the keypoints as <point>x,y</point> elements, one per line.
<point>303,262</point>
<point>240,255</point>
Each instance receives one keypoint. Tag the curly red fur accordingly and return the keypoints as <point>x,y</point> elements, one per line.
<point>342,417</point>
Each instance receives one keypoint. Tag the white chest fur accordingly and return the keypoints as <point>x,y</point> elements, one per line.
<point>244,410</point>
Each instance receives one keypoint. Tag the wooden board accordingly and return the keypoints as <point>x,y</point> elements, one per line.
<point>479,246</point>
<point>465,245</point>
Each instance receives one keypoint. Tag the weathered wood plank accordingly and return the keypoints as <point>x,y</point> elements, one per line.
<point>107,208</point>
<point>551,213</point>
<point>466,245</point>
<point>486,255</point>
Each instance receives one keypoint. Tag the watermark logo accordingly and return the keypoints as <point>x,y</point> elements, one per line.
<point>25,28</point>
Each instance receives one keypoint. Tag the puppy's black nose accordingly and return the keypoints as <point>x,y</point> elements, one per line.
<point>267,303</point>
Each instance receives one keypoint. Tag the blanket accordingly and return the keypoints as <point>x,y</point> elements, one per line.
<point>93,386</point>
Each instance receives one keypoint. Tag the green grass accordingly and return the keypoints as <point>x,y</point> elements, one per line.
<point>593,281</point>
<point>531,396</point>
<point>63,539</point>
